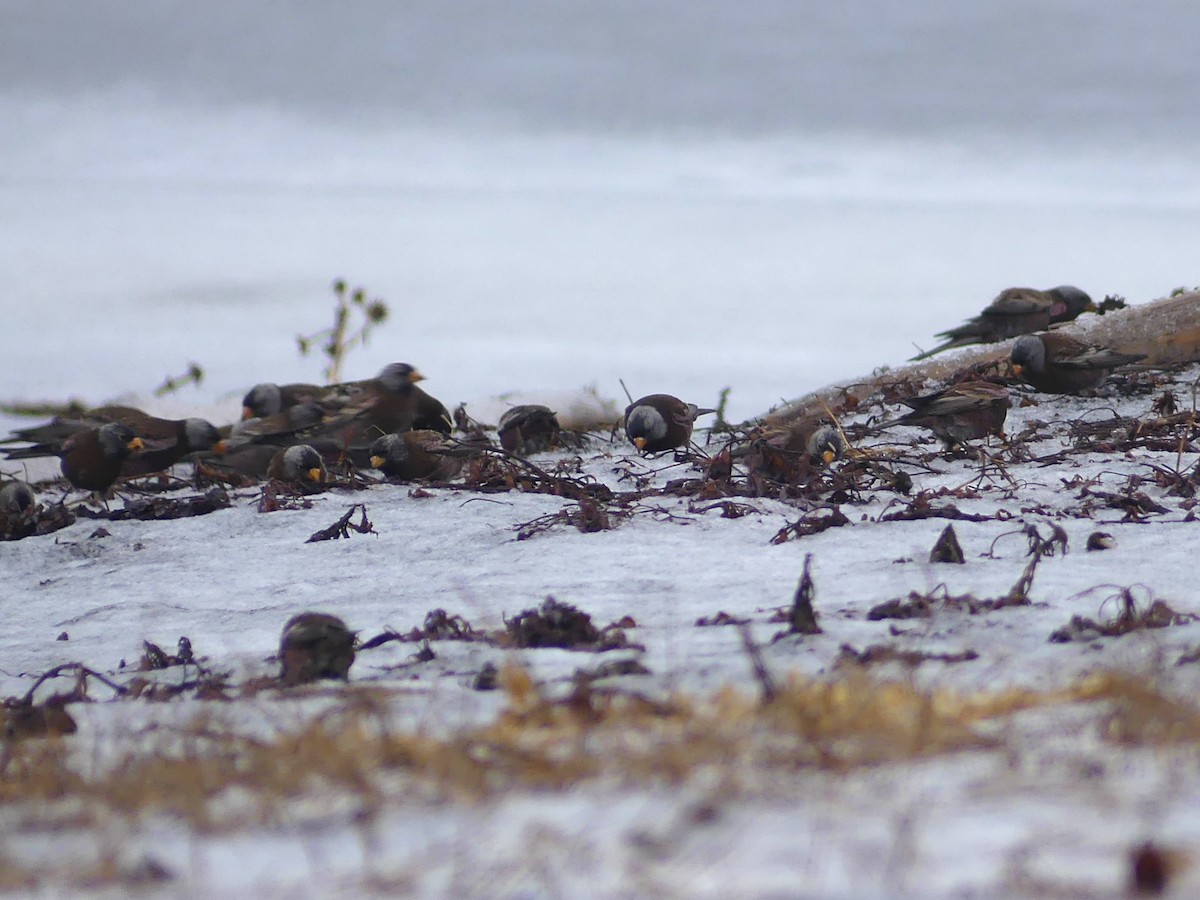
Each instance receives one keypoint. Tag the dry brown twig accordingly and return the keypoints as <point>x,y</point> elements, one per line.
<point>343,526</point>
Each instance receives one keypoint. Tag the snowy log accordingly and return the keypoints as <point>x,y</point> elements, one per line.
<point>1166,331</point>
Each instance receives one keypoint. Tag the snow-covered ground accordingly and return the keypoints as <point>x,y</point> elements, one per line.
<point>1055,805</point>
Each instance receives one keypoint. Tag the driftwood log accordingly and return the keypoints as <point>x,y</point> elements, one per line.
<point>1166,331</point>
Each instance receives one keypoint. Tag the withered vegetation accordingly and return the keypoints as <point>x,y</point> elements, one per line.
<point>355,749</point>
<point>803,619</point>
<point>336,341</point>
<point>947,549</point>
<point>721,618</point>
<point>39,519</point>
<point>1149,870</point>
<point>884,653</point>
<point>155,657</point>
<point>811,523</point>
<point>551,624</point>
<point>194,374</point>
<point>276,495</point>
<point>921,606</point>
<point>343,526</point>
<point>558,624</point>
<point>438,626</point>
<point>152,508</point>
<point>1130,616</point>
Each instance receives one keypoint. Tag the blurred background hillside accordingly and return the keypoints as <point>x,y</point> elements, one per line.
<point>691,195</point>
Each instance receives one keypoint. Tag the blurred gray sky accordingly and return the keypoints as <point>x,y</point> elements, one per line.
<point>1052,69</point>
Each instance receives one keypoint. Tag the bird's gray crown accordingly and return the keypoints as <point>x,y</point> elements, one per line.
<point>301,457</point>
<point>647,422</point>
<point>1029,351</point>
<point>396,376</point>
<point>263,399</point>
<point>199,434</point>
<point>114,439</point>
<point>391,447</point>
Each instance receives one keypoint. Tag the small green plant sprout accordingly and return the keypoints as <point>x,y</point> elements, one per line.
<point>172,383</point>
<point>722,425</point>
<point>1111,302</point>
<point>338,340</point>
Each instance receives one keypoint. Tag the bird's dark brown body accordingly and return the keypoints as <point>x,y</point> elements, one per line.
<point>529,428</point>
<point>416,455</point>
<point>794,454</point>
<point>279,427</point>
<point>166,441</point>
<point>273,401</point>
<point>269,399</point>
<point>960,413</point>
<point>659,422</point>
<point>245,462</point>
<point>360,412</point>
<point>1059,364</point>
<point>341,421</point>
<point>92,459</point>
<point>431,414</point>
<point>315,645</point>
<point>1016,311</point>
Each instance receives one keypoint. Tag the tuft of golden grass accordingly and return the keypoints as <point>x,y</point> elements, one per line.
<point>14,877</point>
<point>1140,715</point>
<point>205,773</point>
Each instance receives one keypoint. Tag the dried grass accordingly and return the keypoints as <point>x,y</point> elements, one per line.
<point>214,778</point>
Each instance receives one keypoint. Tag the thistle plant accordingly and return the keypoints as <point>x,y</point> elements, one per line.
<point>339,339</point>
<point>172,383</point>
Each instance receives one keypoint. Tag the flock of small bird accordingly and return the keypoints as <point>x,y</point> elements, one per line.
<point>1050,361</point>
<point>293,432</point>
